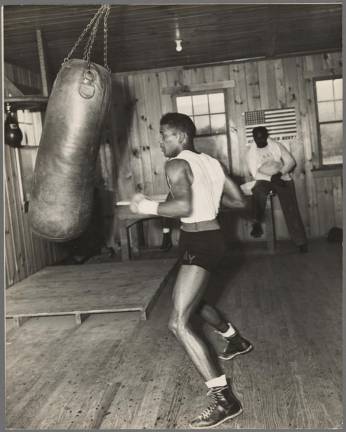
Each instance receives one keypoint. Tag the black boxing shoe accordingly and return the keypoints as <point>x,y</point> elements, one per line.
<point>303,248</point>
<point>236,345</point>
<point>224,406</point>
<point>257,230</point>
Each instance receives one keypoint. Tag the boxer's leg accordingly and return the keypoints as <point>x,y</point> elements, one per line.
<point>188,290</point>
<point>235,343</point>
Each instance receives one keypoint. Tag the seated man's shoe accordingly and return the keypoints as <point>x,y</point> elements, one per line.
<point>166,242</point>
<point>225,406</point>
<point>257,230</point>
<point>303,248</point>
<point>236,345</point>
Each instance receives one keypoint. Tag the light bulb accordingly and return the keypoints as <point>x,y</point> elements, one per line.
<point>178,45</point>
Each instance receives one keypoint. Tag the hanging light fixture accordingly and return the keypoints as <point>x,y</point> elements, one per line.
<point>178,40</point>
<point>178,46</point>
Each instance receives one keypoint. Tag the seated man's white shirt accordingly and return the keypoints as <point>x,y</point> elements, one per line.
<point>256,157</point>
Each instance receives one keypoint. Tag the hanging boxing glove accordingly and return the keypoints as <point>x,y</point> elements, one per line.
<point>13,134</point>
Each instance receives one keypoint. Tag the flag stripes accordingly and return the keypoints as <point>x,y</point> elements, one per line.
<point>280,123</point>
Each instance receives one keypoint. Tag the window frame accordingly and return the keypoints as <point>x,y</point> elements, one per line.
<point>321,165</point>
<point>226,100</point>
<point>206,92</point>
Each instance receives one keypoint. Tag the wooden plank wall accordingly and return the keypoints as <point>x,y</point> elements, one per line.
<point>25,79</point>
<point>140,100</point>
<point>25,253</point>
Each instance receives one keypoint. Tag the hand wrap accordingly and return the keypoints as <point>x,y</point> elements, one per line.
<point>147,206</point>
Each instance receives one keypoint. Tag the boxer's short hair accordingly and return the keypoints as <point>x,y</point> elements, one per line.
<point>181,122</point>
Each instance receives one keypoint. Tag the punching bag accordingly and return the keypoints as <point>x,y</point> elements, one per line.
<point>64,175</point>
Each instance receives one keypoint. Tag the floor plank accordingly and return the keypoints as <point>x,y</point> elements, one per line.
<point>69,376</point>
<point>116,372</point>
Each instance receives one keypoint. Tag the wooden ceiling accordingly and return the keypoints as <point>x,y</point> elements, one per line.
<point>142,37</point>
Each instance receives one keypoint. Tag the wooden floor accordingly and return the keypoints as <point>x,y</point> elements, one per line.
<point>115,371</point>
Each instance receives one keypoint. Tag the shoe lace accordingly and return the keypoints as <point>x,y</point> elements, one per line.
<point>208,411</point>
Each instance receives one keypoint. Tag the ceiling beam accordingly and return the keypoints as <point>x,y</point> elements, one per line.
<point>43,63</point>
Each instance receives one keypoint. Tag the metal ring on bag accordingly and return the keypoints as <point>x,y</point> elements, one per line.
<point>88,76</point>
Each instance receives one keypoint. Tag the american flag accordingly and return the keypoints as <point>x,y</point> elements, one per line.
<point>281,123</point>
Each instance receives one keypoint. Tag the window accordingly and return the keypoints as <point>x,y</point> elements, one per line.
<point>208,112</point>
<point>329,117</point>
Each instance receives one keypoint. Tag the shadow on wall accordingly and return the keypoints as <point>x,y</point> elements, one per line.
<point>121,115</point>
<point>102,231</point>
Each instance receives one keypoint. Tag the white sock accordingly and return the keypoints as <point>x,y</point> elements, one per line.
<point>165,230</point>
<point>229,332</point>
<point>217,382</point>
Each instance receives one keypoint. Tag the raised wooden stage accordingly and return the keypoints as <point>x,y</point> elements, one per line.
<point>81,290</point>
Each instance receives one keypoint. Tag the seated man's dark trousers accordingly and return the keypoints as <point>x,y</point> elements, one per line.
<point>289,205</point>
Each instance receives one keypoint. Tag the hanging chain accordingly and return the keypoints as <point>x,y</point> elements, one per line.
<point>87,28</point>
<point>91,40</point>
<point>105,37</point>
<point>93,25</point>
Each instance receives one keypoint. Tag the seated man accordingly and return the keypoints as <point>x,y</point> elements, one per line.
<point>270,164</point>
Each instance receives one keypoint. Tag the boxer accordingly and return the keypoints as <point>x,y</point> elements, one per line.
<point>197,185</point>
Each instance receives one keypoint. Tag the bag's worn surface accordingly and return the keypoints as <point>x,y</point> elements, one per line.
<point>63,183</point>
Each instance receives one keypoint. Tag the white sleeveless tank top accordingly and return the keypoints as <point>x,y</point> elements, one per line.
<point>207,185</point>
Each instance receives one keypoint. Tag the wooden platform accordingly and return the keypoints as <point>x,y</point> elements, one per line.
<point>81,290</point>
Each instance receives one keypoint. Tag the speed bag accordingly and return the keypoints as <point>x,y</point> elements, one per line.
<point>65,168</point>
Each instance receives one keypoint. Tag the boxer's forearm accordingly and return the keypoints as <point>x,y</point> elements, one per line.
<point>175,208</point>
<point>233,203</point>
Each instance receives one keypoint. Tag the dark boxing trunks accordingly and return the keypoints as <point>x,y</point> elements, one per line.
<point>202,248</point>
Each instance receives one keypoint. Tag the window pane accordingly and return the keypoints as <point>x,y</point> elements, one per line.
<point>338,88</point>
<point>215,146</point>
<point>218,123</point>
<point>324,90</point>
<point>200,104</point>
<point>216,103</point>
<point>202,125</point>
<point>338,110</point>
<point>326,111</point>
<point>331,141</point>
<point>184,104</point>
